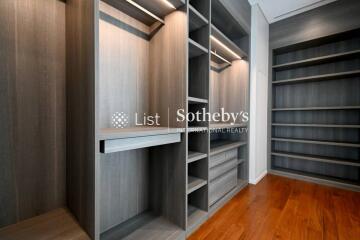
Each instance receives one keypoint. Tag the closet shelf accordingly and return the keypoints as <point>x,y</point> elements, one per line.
<point>226,125</point>
<point>219,146</point>
<point>316,142</point>
<point>195,156</point>
<point>220,41</point>
<point>317,108</point>
<point>145,11</point>
<point>195,49</point>
<point>321,77</point>
<point>240,161</point>
<point>45,226</point>
<point>317,60</point>
<point>196,217</point>
<point>116,140</point>
<point>315,125</point>
<point>195,183</point>
<point>316,158</point>
<point>228,20</point>
<point>144,226</point>
<point>194,100</point>
<point>196,19</point>
<point>332,181</point>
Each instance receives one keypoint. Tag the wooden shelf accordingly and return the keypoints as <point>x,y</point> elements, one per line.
<point>193,100</point>
<point>145,11</point>
<point>339,144</point>
<point>226,125</point>
<point>57,224</point>
<point>317,108</point>
<point>315,125</point>
<point>116,140</point>
<point>196,217</point>
<point>195,183</point>
<point>116,133</point>
<point>144,226</point>
<point>316,158</point>
<point>321,77</point>
<point>196,19</point>
<point>240,161</point>
<point>317,60</point>
<point>225,19</point>
<point>195,156</point>
<point>317,178</point>
<point>219,146</point>
<point>219,49</point>
<point>195,49</point>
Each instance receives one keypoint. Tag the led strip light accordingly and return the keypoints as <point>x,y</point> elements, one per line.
<point>225,47</point>
<point>146,11</point>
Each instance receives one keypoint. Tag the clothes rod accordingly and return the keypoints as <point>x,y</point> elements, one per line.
<point>220,57</point>
<point>145,11</point>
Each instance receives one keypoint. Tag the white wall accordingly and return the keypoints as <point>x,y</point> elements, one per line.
<point>258,95</point>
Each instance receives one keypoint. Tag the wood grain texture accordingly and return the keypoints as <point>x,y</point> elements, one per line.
<point>33,108</point>
<point>332,18</point>
<point>82,86</point>
<point>58,224</point>
<point>168,62</point>
<point>281,208</point>
<point>124,70</point>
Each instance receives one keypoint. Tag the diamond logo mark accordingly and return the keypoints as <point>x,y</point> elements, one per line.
<point>119,120</point>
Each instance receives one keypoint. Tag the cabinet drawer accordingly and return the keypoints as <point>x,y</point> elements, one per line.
<point>217,159</point>
<point>222,168</point>
<point>222,185</point>
<point>231,154</point>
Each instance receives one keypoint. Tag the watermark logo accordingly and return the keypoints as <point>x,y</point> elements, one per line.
<point>120,120</point>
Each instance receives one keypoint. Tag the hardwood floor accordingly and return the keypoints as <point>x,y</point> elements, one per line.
<point>281,208</point>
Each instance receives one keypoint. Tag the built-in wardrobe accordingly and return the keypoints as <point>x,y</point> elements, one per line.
<point>133,169</point>
<point>315,100</point>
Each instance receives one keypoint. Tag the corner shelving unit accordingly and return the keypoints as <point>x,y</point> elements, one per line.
<point>316,113</point>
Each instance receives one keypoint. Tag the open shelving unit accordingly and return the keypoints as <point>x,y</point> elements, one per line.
<point>133,170</point>
<point>229,90</point>
<point>198,99</point>
<point>316,113</point>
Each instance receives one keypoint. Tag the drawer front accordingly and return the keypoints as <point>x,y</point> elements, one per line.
<point>222,185</point>
<point>222,157</point>
<point>221,169</point>
<point>231,154</point>
<point>217,159</point>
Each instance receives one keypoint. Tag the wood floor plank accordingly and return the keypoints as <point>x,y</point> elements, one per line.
<point>282,208</point>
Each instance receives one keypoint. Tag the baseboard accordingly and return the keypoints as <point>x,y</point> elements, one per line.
<point>258,179</point>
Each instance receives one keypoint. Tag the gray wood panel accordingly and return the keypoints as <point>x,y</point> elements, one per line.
<point>124,70</point>
<point>125,186</point>
<point>168,63</point>
<point>82,143</point>
<point>332,18</point>
<point>33,108</point>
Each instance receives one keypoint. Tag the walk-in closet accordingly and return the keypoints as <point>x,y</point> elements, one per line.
<point>131,169</point>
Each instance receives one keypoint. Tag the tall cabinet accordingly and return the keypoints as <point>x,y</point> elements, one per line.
<point>134,170</point>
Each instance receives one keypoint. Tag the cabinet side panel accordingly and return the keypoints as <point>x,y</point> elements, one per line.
<point>81,116</point>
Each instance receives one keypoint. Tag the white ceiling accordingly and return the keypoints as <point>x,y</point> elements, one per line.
<point>275,10</point>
